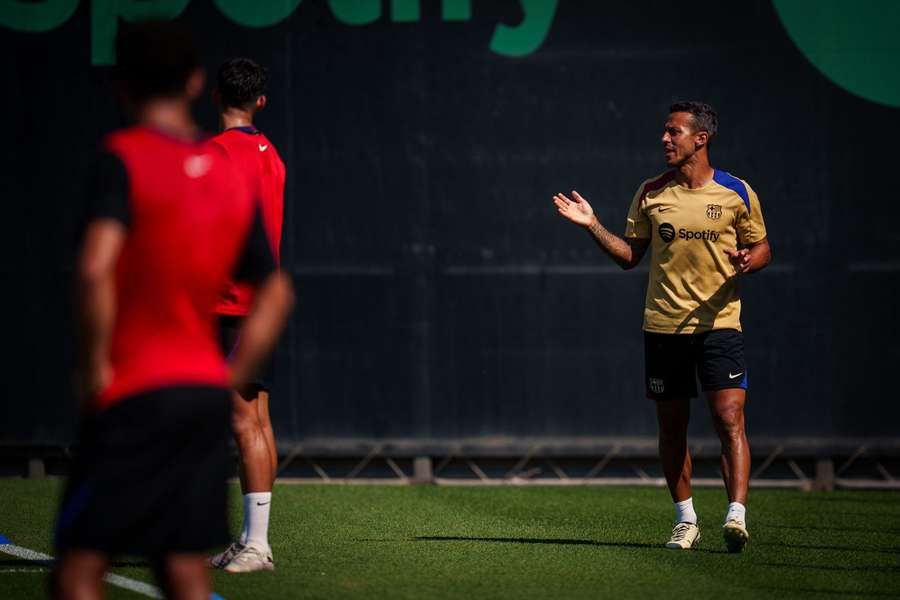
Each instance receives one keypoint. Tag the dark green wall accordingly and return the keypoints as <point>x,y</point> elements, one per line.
<point>439,294</point>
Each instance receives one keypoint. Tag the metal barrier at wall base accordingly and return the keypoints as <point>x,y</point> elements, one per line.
<point>796,463</point>
<point>799,463</point>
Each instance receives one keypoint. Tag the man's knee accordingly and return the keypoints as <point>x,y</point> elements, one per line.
<point>672,418</point>
<point>186,568</point>
<point>729,421</point>
<point>185,576</point>
<point>672,436</point>
<point>78,575</point>
<point>263,410</point>
<point>244,418</point>
<point>672,432</point>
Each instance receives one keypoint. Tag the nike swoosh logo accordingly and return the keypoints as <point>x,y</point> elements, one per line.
<point>664,208</point>
<point>730,376</point>
<point>263,503</point>
<point>263,147</point>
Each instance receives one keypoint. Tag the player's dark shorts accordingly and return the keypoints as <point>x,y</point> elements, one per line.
<point>229,327</point>
<point>674,362</point>
<point>149,476</point>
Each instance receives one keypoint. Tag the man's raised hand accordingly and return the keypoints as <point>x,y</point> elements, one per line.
<point>577,210</point>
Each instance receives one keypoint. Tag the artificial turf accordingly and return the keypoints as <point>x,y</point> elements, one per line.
<point>531,542</point>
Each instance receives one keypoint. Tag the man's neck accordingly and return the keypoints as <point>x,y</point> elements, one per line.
<point>696,172</point>
<point>236,117</point>
<point>171,115</point>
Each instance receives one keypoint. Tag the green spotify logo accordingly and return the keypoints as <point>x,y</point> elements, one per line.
<point>515,40</point>
<point>856,44</point>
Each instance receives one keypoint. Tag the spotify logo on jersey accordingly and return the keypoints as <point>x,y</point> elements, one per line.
<point>667,232</point>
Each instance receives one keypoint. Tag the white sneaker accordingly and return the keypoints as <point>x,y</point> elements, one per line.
<point>220,560</point>
<point>684,536</point>
<point>735,534</point>
<point>251,557</point>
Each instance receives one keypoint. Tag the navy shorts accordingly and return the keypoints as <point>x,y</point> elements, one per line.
<point>674,362</point>
<point>149,477</point>
<point>229,329</point>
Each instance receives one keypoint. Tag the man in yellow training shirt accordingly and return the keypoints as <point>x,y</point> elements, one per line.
<point>705,229</point>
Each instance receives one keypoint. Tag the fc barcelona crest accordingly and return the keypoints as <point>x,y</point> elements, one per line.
<point>657,386</point>
<point>714,211</point>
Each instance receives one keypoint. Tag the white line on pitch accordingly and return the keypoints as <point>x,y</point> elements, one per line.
<point>5,570</point>
<point>139,587</point>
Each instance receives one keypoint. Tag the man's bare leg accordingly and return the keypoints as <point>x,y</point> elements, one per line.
<point>672,417</point>
<point>251,440</point>
<point>265,423</point>
<point>727,408</point>
<point>252,552</point>
<point>79,575</point>
<point>184,576</point>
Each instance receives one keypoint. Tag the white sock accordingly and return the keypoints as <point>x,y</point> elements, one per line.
<point>245,527</point>
<point>256,518</point>
<point>684,512</point>
<point>736,512</point>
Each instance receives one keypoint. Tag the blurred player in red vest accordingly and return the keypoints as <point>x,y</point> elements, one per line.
<point>169,222</point>
<point>241,93</point>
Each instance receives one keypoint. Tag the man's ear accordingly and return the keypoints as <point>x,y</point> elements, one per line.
<point>261,102</point>
<point>701,139</point>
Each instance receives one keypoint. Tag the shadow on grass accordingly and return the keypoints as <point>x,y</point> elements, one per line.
<point>895,551</point>
<point>891,502</point>
<point>881,530</point>
<point>841,568</point>
<point>786,592</point>
<point>49,563</point>
<point>24,562</point>
<point>551,541</point>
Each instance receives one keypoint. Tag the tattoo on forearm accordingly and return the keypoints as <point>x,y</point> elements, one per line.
<point>614,246</point>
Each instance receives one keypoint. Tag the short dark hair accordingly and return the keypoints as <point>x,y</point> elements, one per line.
<point>703,115</point>
<point>154,59</point>
<point>240,82</point>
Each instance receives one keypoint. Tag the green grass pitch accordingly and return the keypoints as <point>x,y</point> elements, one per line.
<point>529,542</point>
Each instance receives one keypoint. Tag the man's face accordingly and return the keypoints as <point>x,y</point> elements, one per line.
<point>679,139</point>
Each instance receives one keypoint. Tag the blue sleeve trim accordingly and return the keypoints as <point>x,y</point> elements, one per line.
<point>733,183</point>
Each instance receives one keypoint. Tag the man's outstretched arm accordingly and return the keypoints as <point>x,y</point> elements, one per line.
<point>627,253</point>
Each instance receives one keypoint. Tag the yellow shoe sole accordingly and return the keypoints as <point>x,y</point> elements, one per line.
<point>735,537</point>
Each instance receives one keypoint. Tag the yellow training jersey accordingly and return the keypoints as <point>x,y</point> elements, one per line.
<point>693,286</point>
